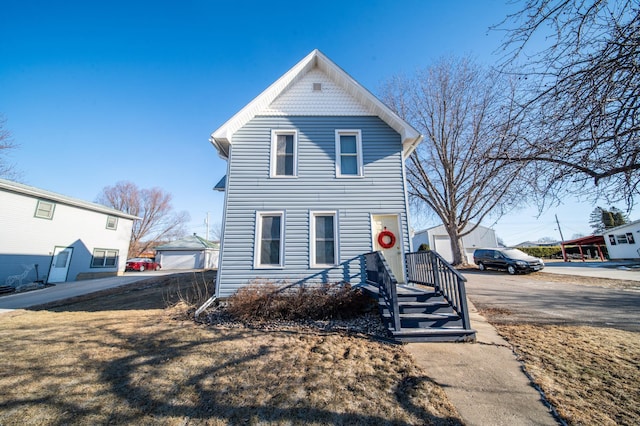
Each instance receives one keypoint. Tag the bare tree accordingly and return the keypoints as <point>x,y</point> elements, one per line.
<point>464,112</point>
<point>7,170</point>
<point>582,104</point>
<point>158,221</point>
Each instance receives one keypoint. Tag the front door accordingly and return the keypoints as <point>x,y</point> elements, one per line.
<point>60,264</point>
<point>392,252</point>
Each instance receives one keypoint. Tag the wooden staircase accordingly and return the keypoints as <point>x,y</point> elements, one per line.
<point>420,313</point>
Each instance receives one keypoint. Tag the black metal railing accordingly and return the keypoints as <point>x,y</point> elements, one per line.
<point>379,274</point>
<point>430,269</point>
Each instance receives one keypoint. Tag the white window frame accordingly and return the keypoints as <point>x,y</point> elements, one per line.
<point>51,211</point>
<point>112,222</point>
<point>274,152</point>
<point>258,239</point>
<point>106,256</point>
<point>622,239</point>
<point>312,238</point>
<point>349,132</point>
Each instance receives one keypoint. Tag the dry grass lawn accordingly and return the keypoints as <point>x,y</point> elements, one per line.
<point>590,375</point>
<point>96,366</point>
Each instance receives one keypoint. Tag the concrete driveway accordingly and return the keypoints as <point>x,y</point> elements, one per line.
<point>541,301</point>
<point>73,288</point>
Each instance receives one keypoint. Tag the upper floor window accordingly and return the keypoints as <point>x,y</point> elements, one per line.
<point>45,209</point>
<point>323,239</point>
<point>284,153</point>
<point>112,222</point>
<point>348,153</point>
<point>269,239</point>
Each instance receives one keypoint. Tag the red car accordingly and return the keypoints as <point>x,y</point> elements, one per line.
<point>142,264</point>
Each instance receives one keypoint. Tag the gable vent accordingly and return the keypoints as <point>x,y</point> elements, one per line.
<point>317,87</point>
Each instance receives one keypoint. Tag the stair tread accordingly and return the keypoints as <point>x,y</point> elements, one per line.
<point>426,316</point>
<point>434,330</point>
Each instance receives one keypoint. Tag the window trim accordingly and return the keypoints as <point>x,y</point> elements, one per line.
<point>50,216</point>
<point>312,238</point>
<point>115,223</point>
<point>274,152</point>
<point>359,163</point>
<point>104,259</point>
<point>258,239</point>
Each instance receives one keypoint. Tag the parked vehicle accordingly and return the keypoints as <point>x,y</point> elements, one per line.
<point>508,259</point>
<point>142,264</point>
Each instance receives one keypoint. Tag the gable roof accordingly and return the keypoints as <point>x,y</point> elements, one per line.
<point>222,137</point>
<point>34,192</point>
<point>192,242</point>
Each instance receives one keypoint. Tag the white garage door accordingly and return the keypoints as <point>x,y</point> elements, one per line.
<point>181,260</point>
<point>442,246</point>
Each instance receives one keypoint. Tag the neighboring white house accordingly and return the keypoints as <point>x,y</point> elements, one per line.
<point>623,242</point>
<point>52,238</point>
<point>439,241</point>
<point>191,252</point>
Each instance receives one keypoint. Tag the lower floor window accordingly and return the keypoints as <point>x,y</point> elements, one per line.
<point>104,258</point>
<point>270,234</point>
<point>323,241</point>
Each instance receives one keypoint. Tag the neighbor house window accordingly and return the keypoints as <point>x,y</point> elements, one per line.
<point>348,153</point>
<point>622,239</point>
<point>323,239</point>
<point>269,239</point>
<point>104,258</point>
<point>284,153</point>
<point>45,209</point>
<point>112,222</point>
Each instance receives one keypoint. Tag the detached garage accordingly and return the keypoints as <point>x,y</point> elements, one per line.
<point>191,252</point>
<point>438,240</point>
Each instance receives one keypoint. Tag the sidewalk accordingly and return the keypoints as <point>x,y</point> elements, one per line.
<point>483,380</point>
<point>618,270</point>
<point>71,289</point>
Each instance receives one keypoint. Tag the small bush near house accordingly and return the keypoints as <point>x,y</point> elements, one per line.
<point>267,301</point>
<point>544,252</point>
<point>423,247</point>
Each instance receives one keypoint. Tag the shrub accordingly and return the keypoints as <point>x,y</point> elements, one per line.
<point>423,247</point>
<point>546,252</point>
<point>267,301</point>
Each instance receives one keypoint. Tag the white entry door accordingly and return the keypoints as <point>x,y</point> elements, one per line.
<point>60,264</point>
<point>392,254</point>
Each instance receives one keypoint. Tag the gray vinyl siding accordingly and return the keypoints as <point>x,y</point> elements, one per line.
<point>316,188</point>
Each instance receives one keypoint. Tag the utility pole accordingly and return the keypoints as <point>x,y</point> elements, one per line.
<point>206,221</point>
<point>564,254</point>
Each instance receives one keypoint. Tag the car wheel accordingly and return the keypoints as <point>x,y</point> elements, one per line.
<point>511,270</point>
<point>481,266</point>
<point>157,267</point>
<point>141,268</point>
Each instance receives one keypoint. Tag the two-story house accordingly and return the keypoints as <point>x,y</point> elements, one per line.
<point>315,179</point>
<point>49,237</point>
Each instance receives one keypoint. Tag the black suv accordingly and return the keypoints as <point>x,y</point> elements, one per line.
<point>508,259</point>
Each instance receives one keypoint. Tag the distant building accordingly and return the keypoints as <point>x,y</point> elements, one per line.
<point>439,241</point>
<point>623,242</point>
<point>191,252</point>
<point>53,238</point>
<point>538,244</point>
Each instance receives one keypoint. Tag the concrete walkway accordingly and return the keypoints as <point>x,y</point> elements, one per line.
<point>72,289</point>
<point>483,380</point>
<point>619,270</point>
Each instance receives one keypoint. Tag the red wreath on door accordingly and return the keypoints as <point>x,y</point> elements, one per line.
<point>383,236</point>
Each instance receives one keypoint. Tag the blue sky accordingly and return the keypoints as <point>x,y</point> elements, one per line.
<point>98,92</point>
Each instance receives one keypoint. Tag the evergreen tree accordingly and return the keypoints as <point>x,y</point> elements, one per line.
<point>603,219</point>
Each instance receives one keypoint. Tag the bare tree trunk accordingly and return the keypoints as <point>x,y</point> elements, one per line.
<point>457,247</point>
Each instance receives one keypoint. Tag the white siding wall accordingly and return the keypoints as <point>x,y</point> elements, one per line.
<point>25,238</point>
<point>624,250</point>
<point>480,237</point>
<point>250,189</point>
